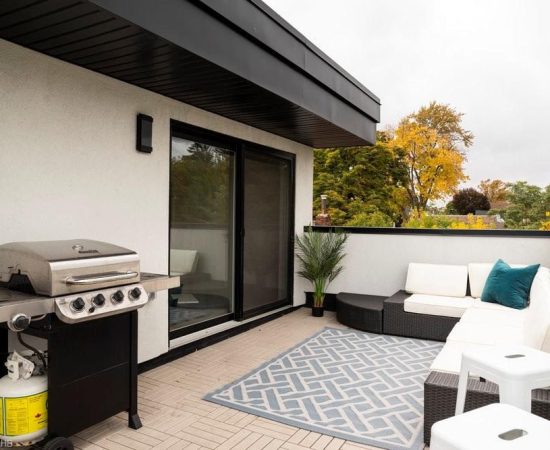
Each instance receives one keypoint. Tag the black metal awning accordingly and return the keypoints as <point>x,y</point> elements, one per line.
<point>236,58</point>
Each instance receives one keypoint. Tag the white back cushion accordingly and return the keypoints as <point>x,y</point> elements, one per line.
<point>537,321</point>
<point>478,273</point>
<point>437,279</point>
<point>183,261</point>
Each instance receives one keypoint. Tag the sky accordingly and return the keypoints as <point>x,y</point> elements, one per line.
<point>489,59</point>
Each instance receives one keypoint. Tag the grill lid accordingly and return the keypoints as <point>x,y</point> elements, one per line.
<point>65,267</point>
<point>66,250</point>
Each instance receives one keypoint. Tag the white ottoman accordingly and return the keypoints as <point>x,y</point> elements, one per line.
<point>516,369</point>
<point>493,427</point>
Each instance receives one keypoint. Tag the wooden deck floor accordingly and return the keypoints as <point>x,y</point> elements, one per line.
<point>175,417</point>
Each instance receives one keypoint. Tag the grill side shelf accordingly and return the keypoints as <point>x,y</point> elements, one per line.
<point>12,302</point>
<point>154,282</point>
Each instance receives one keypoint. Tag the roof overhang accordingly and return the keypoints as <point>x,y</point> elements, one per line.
<point>236,58</point>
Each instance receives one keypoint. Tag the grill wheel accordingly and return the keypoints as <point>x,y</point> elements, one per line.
<point>58,443</point>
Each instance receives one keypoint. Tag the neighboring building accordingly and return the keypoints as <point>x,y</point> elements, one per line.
<point>323,218</point>
<point>499,205</point>
<point>238,100</point>
<point>488,221</point>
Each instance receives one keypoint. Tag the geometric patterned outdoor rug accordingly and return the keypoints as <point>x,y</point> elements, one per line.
<point>357,386</point>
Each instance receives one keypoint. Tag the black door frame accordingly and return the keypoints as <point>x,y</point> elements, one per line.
<point>252,148</point>
<point>240,149</point>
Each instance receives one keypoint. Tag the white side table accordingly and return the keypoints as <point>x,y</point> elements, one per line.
<point>493,427</point>
<point>517,370</point>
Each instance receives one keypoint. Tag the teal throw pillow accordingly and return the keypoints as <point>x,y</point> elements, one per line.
<point>508,286</point>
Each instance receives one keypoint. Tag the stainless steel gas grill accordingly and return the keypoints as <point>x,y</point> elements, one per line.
<point>65,267</point>
<point>81,297</point>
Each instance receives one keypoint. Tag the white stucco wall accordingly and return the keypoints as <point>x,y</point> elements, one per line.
<point>377,263</point>
<point>69,168</point>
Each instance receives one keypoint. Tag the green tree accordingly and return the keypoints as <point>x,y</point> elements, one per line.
<point>200,182</point>
<point>362,183</point>
<point>528,206</point>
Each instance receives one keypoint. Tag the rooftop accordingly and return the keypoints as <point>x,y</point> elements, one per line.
<point>175,416</point>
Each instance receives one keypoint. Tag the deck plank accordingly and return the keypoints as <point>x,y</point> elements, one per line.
<point>175,417</point>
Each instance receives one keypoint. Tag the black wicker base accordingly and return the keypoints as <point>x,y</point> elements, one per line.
<point>362,312</point>
<point>440,390</point>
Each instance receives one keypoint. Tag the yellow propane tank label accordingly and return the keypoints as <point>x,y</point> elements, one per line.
<point>24,415</point>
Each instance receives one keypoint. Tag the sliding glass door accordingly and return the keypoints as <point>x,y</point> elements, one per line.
<point>267,212</point>
<point>231,229</point>
<point>202,179</point>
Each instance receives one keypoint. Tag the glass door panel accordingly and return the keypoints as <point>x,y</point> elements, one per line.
<point>201,234</point>
<point>267,219</point>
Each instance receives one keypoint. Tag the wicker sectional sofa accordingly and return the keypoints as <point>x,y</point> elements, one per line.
<point>442,302</point>
<point>399,322</point>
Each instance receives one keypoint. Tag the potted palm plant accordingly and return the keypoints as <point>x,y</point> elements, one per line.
<point>320,258</point>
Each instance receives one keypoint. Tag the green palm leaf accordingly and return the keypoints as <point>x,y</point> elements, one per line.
<point>320,258</point>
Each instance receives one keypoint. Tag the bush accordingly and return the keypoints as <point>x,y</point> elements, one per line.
<point>434,221</point>
<point>428,221</point>
<point>472,223</point>
<point>370,219</point>
<point>468,201</point>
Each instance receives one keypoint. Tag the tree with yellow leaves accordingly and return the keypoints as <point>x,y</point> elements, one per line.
<point>496,191</point>
<point>435,145</point>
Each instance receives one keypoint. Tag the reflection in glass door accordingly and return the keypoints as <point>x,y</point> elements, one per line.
<point>201,234</point>
<point>268,231</point>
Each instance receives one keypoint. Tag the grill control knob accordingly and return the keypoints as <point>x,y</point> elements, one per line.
<point>78,304</point>
<point>19,322</point>
<point>135,293</point>
<point>99,300</point>
<point>117,297</point>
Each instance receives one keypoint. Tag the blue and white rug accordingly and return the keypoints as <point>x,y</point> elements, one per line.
<point>357,386</point>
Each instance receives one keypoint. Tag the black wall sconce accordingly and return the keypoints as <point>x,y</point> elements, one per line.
<point>144,140</point>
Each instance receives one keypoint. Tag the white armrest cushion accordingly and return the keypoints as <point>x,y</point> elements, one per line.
<point>437,279</point>
<point>537,321</point>
<point>545,347</point>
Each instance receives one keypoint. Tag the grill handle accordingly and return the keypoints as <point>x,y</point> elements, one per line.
<point>101,278</point>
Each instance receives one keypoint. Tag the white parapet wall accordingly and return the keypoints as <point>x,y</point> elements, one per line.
<point>377,263</point>
<point>69,167</point>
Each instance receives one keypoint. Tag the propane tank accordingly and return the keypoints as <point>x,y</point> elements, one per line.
<point>23,397</point>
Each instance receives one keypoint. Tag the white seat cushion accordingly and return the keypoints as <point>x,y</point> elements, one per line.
<point>437,279</point>
<point>480,316</point>
<point>477,303</point>
<point>437,305</point>
<point>487,334</point>
<point>449,358</point>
